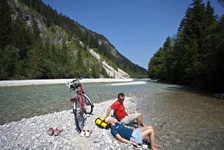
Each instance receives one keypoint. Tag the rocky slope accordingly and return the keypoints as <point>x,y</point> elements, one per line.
<point>53,32</point>
<point>117,74</point>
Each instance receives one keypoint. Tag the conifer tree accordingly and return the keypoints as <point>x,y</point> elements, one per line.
<point>196,57</point>
<point>5,24</point>
<point>221,2</point>
<point>168,58</point>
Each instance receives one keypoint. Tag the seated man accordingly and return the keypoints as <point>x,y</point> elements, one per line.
<point>121,114</point>
<point>131,136</point>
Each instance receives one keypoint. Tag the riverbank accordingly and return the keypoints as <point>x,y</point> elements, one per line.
<point>31,133</point>
<point>63,81</point>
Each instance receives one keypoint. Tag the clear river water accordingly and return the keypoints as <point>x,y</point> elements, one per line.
<point>183,119</point>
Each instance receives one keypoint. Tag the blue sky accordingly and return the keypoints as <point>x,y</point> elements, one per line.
<point>137,28</point>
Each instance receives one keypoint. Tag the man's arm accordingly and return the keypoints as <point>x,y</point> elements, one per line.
<point>119,138</point>
<point>108,111</point>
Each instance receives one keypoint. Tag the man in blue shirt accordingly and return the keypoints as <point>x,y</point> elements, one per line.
<point>124,132</point>
<point>131,136</point>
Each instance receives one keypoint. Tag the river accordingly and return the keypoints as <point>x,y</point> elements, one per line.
<point>182,118</point>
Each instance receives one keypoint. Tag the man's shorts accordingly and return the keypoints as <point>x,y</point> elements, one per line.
<point>130,118</point>
<point>136,136</point>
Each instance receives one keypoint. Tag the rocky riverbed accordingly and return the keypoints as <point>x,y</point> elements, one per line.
<point>31,133</point>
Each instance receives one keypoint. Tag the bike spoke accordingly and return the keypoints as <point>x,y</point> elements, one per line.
<point>88,105</point>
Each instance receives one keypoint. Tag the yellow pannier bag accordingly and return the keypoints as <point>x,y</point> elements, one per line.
<point>100,122</point>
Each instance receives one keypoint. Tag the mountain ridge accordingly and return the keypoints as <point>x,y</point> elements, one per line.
<point>59,34</point>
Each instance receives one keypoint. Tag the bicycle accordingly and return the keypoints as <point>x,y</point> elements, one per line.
<point>81,103</point>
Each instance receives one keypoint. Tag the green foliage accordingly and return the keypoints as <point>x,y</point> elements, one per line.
<point>59,49</point>
<point>5,24</point>
<point>221,2</point>
<point>156,65</point>
<point>195,55</point>
<point>88,37</point>
<point>9,56</point>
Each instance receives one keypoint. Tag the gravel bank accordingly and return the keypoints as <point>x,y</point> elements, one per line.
<point>31,133</point>
<point>59,81</point>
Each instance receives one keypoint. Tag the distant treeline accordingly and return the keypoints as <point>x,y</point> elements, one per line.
<point>25,54</point>
<point>195,55</point>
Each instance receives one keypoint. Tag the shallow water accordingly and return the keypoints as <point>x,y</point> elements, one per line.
<point>183,119</point>
<point>27,101</point>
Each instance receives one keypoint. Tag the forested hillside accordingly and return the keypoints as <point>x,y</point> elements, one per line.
<point>195,55</point>
<point>38,43</point>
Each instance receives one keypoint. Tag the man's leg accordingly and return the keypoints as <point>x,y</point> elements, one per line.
<point>140,121</point>
<point>129,119</point>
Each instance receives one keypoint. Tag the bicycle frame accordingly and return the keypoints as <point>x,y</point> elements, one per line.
<point>76,86</point>
<point>81,103</point>
<point>79,93</point>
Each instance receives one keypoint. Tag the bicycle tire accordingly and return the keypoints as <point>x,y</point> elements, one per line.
<point>79,115</point>
<point>88,105</point>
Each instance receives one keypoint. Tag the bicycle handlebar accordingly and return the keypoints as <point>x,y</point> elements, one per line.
<point>74,84</point>
<point>77,79</point>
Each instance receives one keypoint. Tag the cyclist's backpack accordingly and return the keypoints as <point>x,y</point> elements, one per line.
<point>100,122</point>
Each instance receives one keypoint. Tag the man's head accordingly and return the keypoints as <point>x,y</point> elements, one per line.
<point>110,120</point>
<point>121,97</point>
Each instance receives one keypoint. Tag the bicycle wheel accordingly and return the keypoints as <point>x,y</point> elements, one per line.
<point>88,105</point>
<point>79,115</point>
